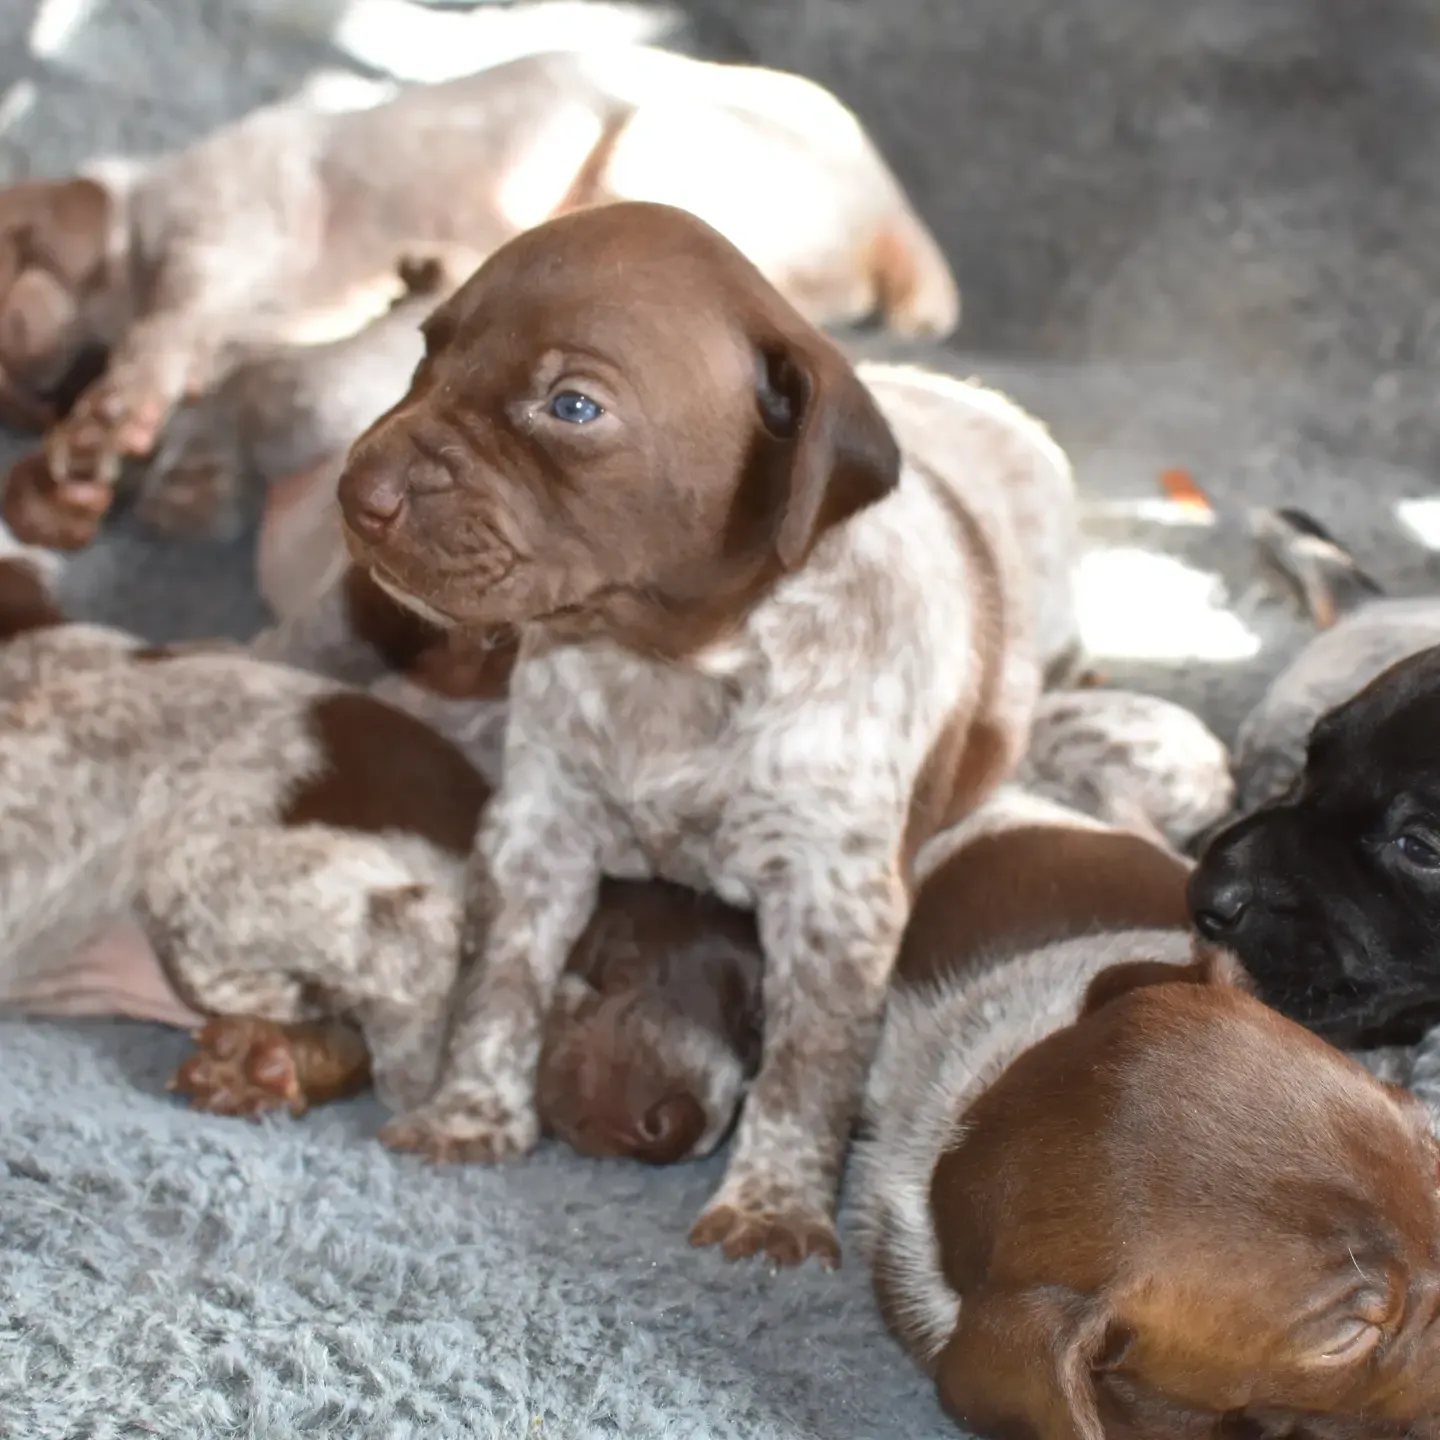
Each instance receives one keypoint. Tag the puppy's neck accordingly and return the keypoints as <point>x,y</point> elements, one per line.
<point>1021,872</point>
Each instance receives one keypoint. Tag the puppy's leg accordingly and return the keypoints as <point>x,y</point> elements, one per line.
<point>296,925</point>
<point>171,352</point>
<point>532,888</point>
<point>830,932</point>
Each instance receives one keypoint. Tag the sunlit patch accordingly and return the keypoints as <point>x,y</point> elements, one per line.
<point>533,190</point>
<point>1135,605</point>
<point>16,104</point>
<point>1422,519</point>
<point>55,24</point>
<point>1156,511</point>
<point>338,92</point>
<point>416,43</point>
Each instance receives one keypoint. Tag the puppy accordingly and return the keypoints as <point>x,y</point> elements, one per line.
<point>1361,632</point>
<point>1330,895</point>
<point>779,621</point>
<point>1106,1193</point>
<point>653,1037</point>
<point>292,853</point>
<point>298,210</point>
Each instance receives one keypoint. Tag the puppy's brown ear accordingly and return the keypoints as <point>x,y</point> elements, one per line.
<point>1211,965</point>
<point>69,230</point>
<point>1022,1363</point>
<point>843,455</point>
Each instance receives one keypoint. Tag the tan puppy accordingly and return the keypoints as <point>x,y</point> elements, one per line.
<point>287,223</point>
<point>1107,1195</point>
<point>778,623</point>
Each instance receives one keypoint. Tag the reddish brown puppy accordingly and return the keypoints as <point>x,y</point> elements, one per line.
<point>1110,1196</point>
<point>779,620</point>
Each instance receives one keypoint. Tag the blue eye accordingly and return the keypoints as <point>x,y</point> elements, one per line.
<point>574,408</point>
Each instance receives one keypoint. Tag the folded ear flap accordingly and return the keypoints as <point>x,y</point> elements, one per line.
<point>1021,1363</point>
<point>71,229</point>
<point>842,453</point>
<point>1210,965</point>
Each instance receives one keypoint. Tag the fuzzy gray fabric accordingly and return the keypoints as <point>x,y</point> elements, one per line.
<point>1197,235</point>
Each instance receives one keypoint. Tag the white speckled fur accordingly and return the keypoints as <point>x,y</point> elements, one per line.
<point>298,211</point>
<point>155,789</point>
<point>1131,760</point>
<point>776,770</point>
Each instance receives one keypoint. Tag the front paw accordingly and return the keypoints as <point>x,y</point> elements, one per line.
<point>57,517</point>
<point>477,1130</point>
<point>786,1230</point>
<point>241,1066</point>
<point>110,421</point>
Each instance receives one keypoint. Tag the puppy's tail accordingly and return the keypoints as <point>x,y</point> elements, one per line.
<point>915,287</point>
<point>1329,580</point>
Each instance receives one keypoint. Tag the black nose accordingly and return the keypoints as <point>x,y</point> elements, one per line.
<point>1218,902</point>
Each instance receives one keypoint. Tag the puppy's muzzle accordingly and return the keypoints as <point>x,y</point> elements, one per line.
<point>1221,891</point>
<point>372,499</point>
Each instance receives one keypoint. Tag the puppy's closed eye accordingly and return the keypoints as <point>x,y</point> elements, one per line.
<point>1346,1333</point>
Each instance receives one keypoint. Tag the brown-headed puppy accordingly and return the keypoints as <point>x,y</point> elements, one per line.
<point>779,621</point>
<point>1107,1194</point>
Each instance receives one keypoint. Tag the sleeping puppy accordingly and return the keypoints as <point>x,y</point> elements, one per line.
<point>286,856</point>
<point>779,622</point>
<point>1330,895</point>
<point>294,214</point>
<point>1360,632</point>
<point>1106,1194</point>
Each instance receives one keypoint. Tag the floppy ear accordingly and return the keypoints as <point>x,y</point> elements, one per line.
<point>842,453</point>
<point>1021,1363</point>
<point>69,228</point>
<point>1211,965</point>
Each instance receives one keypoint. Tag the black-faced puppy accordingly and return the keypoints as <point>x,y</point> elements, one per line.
<point>779,621</point>
<point>1330,895</point>
<point>1108,1195</point>
<point>298,210</point>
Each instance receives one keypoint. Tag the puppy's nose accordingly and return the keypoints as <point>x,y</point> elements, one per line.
<point>372,498</point>
<point>670,1128</point>
<point>1218,902</point>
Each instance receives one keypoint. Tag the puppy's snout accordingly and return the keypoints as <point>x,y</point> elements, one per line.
<point>670,1129</point>
<point>372,498</point>
<point>1218,899</point>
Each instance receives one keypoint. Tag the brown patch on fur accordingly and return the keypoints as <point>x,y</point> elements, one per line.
<point>25,600</point>
<point>385,770</point>
<point>395,633</point>
<point>616,1076</point>
<point>1031,886</point>
<point>1185,1206</point>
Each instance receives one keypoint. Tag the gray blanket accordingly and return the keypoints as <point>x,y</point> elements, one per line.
<point>1197,235</point>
